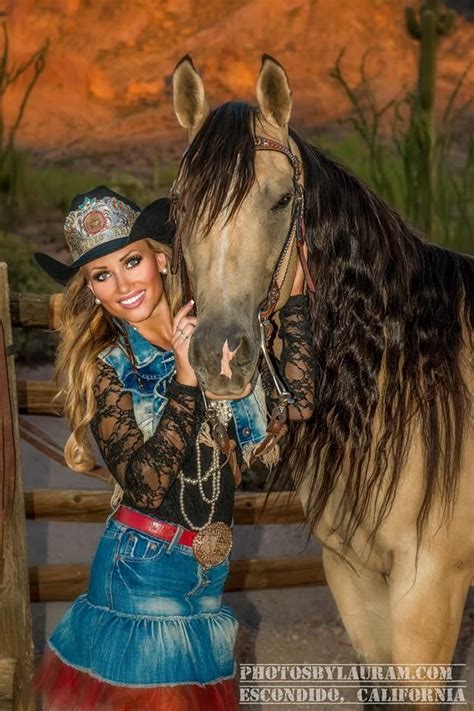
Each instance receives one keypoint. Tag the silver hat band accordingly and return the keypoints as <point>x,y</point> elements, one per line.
<point>96,221</point>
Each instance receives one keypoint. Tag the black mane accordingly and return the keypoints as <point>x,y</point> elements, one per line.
<point>387,304</point>
<point>217,170</point>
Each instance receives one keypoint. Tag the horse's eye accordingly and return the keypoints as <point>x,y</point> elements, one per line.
<point>283,202</point>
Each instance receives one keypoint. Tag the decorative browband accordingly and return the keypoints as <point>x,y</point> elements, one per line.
<point>267,144</point>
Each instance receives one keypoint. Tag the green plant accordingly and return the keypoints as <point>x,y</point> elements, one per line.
<point>23,272</point>
<point>32,346</point>
<point>429,183</point>
<point>367,119</point>
<point>10,162</point>
<point>164,175</point>
<point>431,23</point>
<point>54,187</point>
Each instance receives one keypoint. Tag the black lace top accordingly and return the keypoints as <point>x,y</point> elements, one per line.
<point>148,471</point>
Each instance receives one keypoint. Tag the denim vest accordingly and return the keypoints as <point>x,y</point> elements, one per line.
<point>148,382</point>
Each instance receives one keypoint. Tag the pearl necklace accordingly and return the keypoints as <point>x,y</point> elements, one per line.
<point>223,412</point>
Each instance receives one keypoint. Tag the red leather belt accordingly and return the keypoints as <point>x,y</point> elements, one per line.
<point>157,529</point>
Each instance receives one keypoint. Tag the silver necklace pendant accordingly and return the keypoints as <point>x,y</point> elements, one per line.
<point>220,411</point>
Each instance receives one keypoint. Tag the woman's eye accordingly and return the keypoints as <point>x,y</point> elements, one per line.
<point>133,261</point>
<point>101,276</point>
<point>284,201</point>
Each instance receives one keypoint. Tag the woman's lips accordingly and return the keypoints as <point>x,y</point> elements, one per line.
<point>133,301</point>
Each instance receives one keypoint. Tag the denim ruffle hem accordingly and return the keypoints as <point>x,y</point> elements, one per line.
<point>150,634</point>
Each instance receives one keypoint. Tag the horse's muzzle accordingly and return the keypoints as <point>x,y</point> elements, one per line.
<point>224,361</point>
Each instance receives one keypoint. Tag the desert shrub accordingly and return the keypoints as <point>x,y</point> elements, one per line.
<point>428,180</point>
<point>10,161</point>
<point>43,188</point>
<point>33,346</point>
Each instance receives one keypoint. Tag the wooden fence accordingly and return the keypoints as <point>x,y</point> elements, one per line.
<point>16,646</point>
<point>49,583</point>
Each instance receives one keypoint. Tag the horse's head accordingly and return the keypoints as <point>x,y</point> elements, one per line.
<point>234,209</point>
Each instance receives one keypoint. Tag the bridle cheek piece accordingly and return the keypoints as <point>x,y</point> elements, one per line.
<point>277,426</point>
<point>296,233</point>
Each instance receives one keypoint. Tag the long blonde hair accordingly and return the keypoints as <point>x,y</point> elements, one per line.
<point>85,330</point>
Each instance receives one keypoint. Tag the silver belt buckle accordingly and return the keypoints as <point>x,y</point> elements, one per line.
<point>213,544</point>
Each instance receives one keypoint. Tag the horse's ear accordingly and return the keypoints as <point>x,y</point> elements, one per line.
<point>273,92</point>
<point>189,97</point>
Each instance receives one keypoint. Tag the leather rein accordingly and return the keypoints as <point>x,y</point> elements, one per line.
<point>277,426</point>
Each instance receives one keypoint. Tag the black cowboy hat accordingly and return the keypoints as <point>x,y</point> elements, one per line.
<point>100,222</point>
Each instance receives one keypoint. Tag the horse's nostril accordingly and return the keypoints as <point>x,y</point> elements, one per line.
<point>234,342</point>
<point>242,359</point>
<point>244,353</point>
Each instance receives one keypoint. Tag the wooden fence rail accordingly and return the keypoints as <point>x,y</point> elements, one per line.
<point>91,505</point>
<point>56,583</point>
<point>16,644</point>
<point>35,310</point>
<point>35,397</point>
<point>59,583</point>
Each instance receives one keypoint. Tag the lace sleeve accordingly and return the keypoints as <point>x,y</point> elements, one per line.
<point>297,364</point>
<point>145,470</point>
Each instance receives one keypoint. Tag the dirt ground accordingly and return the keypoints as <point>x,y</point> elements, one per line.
<point>284,626</point>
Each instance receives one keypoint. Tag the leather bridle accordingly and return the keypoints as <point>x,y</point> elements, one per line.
<point>296,234</point>
<point>296,237</point>
<point>277,426</point>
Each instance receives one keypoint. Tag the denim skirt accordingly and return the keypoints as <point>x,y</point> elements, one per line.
<point>151,633</point>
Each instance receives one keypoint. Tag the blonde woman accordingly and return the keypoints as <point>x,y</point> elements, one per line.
<point>151,632</point>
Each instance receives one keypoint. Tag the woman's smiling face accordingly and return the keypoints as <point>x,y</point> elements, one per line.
<point>128,282</point>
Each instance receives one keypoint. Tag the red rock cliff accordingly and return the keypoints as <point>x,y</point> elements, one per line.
<point>106,85</point>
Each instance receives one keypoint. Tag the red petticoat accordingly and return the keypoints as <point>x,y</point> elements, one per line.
<point>63,688</point>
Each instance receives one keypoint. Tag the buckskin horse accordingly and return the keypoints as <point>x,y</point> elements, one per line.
<point>382,466</point>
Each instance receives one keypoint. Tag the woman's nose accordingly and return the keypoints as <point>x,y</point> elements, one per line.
<point>124,284</point>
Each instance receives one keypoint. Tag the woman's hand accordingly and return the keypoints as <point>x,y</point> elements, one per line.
<point>298,283</point>
<point>183,329</point>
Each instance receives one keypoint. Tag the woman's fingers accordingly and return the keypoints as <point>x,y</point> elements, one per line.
<point>183,328</point>
<point>185,332</point>
<point>183,311</point>
<point>184,325</point>
<point>191,320</point>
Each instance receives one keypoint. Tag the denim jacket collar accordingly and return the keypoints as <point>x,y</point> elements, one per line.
<point>143,351</point>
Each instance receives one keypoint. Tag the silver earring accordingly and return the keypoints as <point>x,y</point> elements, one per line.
<point>164,270</point>
<point>97,301</point>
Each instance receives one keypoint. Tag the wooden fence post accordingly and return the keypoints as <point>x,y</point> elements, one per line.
<point>16,645</point>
